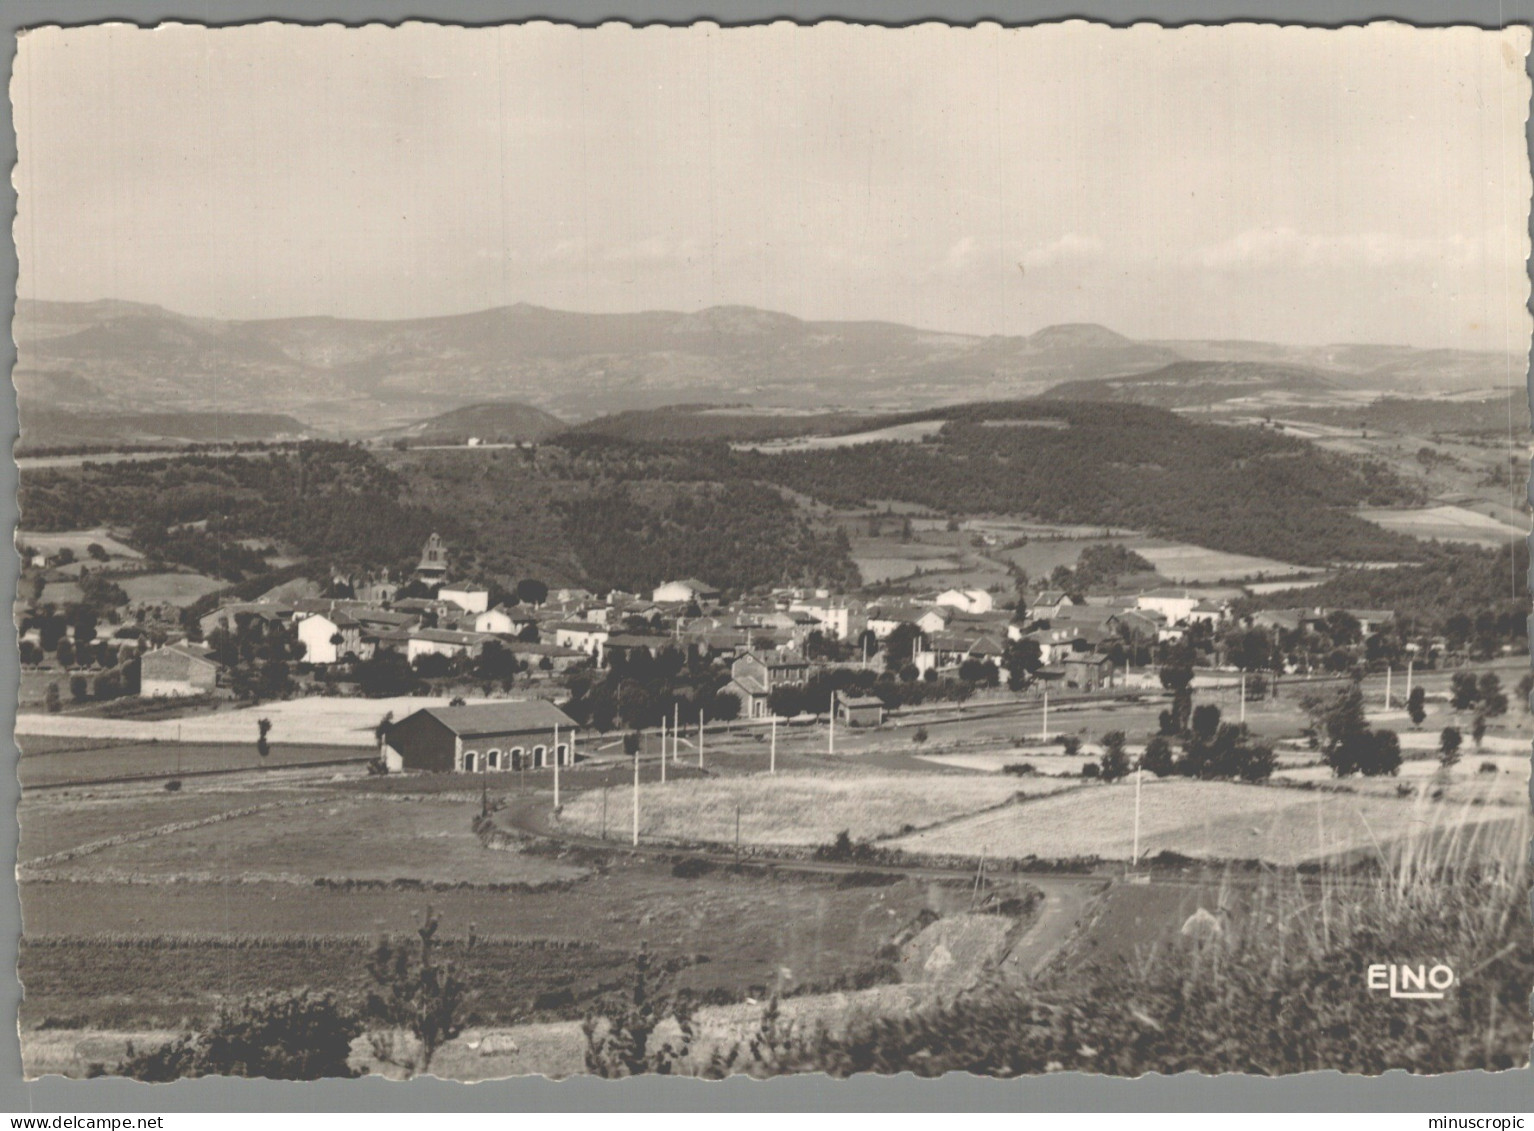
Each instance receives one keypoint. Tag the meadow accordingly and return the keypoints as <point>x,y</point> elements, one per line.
<point>359,837</point>
<point>795,809</point>
<point>118,761</point>
<point>1204,820</point>
<point>169,588</point>
<point>1447,524</point>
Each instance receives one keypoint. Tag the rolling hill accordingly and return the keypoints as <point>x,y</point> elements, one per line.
<point>493,421</point>
<point>356,377</point>
<point>1202,384</point>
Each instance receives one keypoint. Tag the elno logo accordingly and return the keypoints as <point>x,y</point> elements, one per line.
<point>1420,983</point>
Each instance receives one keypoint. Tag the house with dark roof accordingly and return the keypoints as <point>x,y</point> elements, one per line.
<point>481,738</point>
<point>860,710</point>
<point>754,675</point>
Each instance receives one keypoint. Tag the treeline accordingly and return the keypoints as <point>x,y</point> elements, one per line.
<point>1474,596</point>
<point>739,536</point>
<point>329,501</point>
<point>1242,490</point>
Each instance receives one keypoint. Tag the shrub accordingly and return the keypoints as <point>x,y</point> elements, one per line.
<point>1115,762</point>
<point>1021,769</point>
<point>295,1036</point>
<point>1488,768</point>
<point>1448,746</point>
<point>1090,770</point>
<point>919,735</point>
<point>1070,745</point>
<point>1158,757</point>
<point>51,699</point>
<point>422,997</point>
<point>173,786</point>
<point>692,868</point>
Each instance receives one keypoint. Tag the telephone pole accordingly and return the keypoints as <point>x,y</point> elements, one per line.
<point>556,767</point>
<point>636,799</point>
<point>663,749</point>
<point>772,765</point>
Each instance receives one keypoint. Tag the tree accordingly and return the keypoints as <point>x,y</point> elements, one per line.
<point>78,688</point>
<point>1070,745</point>
<point>285,1036</point>
<point>422,997</point>
<point>899,646</point>
<point>386,675</point>
<point>1022,659</point>
<point>1382,754</point>
<point>531,591</point>
<point>1493,699</point>
<point>51,699</point>
<point>1448,747</point>
<point>381,731</point>
<point>1416,705</point>
<point>1158,757</point>
<point>1115,762</point>
<point>1206,723</point>
<point>1478,729</point>
<point>263,728</point>
<point>1463,691</point>
<point>1525,690</point>
<point>619,1036</point>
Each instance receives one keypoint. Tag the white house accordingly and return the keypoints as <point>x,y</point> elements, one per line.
<point>840,618</point>
<point>967,600</point>
<point>582,636</point>
<point>1174,604</point>
<point>443,642</point>
<point>469,600</point>
<point>329,637</point>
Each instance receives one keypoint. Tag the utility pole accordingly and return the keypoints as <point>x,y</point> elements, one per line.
<point>831,734</point>
<point>1243,698</point>
<point>1134,858</point>
<point>676,733</point>
<point>556,767</point>
<point>663,749</point>
<point>1409,664</point>
<point>737,836</point>
<point>636,799</point>
<point>1388,673</point>
<point>604,812</point>
<point>700,738</point>
<point>772,765</point>
<point>1044,730</point>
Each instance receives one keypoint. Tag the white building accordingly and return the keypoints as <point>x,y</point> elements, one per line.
<point>967,600</point>
<point>469,600</point>
<point>329,637</point>
<point>688,589</point>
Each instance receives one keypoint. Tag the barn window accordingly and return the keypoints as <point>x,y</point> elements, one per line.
<point>514,758</point>
<point>495,759</point>
<point>540,755</point>
<point>469,761</point>
<point>561,753</point>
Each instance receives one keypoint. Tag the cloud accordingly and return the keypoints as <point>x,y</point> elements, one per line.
<point>1285,247</point>
<point>1067,250</point>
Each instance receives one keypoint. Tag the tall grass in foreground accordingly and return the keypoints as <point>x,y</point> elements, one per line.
<point>1275,981</point>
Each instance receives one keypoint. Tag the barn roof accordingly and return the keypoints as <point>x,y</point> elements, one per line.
<point>504,717</point>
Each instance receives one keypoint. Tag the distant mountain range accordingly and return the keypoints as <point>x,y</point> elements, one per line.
<point>355,377</point>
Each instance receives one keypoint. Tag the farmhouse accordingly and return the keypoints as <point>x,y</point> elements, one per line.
<point>966,600</point>
<point>510,735</point>
<point>583,636</point>
<point>840,618</point>
<point>755,674</point>
<point>444,642</point>
<point>176,669</point>
<point>688,589</point>
<point>326,638</point>
<point>501,620</point>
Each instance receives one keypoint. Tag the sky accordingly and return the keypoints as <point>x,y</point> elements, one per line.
<point>1285,184</point>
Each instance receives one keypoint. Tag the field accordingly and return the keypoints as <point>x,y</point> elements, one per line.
<point>916,431</point>
<point>797,809</point>
<point>362,837</point>
<point>1207,820</point>
<point>76,541</point>
<point>1194,565</point>
<point>165,759</point>
<point>316,720</point>
<point>1447,524</point>
<point>169,588</point>
<point>56,821</point>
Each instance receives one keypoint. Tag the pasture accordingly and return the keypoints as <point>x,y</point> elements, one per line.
<point>1194,565</point>
<point>1447,524</point>
<point>177,589</point>
<point>115,760</point>
<point>360,837</point>
<point>907,433</point>
<point>76,541</point>
<point>1204,820</point>
<point>794,809</point>
<point>314,721</point>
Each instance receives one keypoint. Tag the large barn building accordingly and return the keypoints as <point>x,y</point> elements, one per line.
<point>509,735</point>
